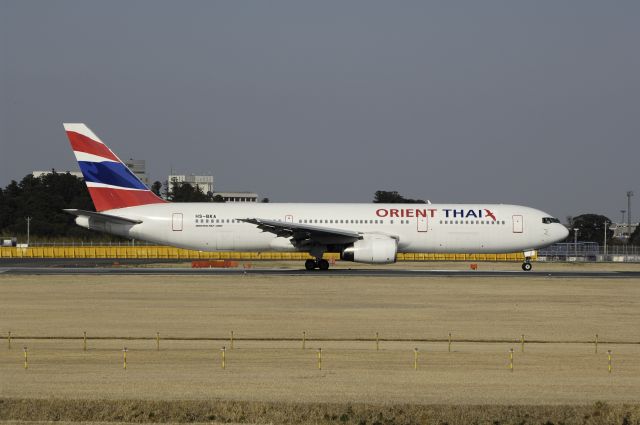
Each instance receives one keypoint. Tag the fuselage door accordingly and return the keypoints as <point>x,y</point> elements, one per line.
<point>422,223</point>
<point>518,226</point>
<point>288,218</point>
<point>176,222</point>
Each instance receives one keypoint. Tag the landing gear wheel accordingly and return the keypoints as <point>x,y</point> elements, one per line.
<point>310,264</point>
<point>323,265</point>
<point>526,266</point>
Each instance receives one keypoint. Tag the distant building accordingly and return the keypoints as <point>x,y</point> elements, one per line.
<point>139,168</point>
<point>44,173</point>
<point>621,230</point>
<point>205,183</point>
<point>237,196</point>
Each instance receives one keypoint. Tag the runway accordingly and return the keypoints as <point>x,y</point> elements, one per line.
<point>183,271</point>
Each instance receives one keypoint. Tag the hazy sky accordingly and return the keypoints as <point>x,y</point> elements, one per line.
<point>536,103</point>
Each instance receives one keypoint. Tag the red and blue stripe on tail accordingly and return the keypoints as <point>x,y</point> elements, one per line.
<point>111,184</point>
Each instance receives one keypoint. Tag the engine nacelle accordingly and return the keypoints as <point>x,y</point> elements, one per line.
<point>373,249</point>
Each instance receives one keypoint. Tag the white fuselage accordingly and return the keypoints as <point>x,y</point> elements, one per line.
<point>445,228</point>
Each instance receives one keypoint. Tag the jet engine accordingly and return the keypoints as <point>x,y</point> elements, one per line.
<point>373,249</point>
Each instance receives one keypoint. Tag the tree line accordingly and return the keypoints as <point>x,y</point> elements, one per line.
<point>44,199</point>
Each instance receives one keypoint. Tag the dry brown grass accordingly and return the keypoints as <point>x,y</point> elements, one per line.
<point>136,411</point>
<point>353,372</point>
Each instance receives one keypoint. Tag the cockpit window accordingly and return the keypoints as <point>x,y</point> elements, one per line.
<point>549,220</point>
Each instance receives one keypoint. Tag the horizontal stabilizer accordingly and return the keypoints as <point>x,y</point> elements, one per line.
<point>102,217</point>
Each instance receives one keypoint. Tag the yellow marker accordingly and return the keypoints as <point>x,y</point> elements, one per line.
<point>319,358</point>
<point>609,356</point>
<point>223,351</point>
<point>9,340</point>
<point>377,342</point>
<point>415,359</point>
<point>84,341</point>
<point>157,341</point>
<point>124,357</point>
<point>26,360</point>
<point>511,360</point>
<point>522,343</point>
<point>231,347</point>
<point>449,341</point>
<point>596,343</point>
<point>304,339</point>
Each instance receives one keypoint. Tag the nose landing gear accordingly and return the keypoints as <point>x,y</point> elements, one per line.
<point>319,264</point>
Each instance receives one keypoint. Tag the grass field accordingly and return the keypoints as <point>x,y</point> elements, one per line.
<point>563,370</point>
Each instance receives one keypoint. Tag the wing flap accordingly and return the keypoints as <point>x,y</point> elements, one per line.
<point>302,232</point>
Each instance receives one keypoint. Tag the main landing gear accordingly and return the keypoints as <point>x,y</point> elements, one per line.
<point>526,266</point>
<point>316,264</point>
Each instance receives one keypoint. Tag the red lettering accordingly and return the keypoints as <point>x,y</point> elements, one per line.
<point>421,213</point>
<point>432,211</point>
<point>393,212</point>
<point>382,212</point>
<point>410,213</point>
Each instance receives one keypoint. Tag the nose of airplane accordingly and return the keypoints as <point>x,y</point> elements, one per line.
<point>563,232</point>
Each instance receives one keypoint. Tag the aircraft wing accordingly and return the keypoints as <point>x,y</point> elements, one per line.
<point>302,233</point>
<point>102,217</point>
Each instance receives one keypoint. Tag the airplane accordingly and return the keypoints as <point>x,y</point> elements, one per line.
<point>363,233</point>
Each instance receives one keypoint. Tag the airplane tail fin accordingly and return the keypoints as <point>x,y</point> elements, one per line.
<point>111,184</point>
